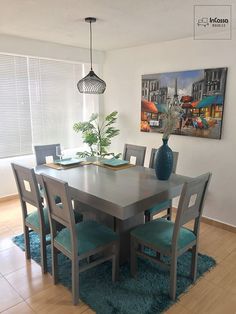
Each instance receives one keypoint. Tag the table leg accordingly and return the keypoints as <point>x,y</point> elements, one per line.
<point>122,227</point>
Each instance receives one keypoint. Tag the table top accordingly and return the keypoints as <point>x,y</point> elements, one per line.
<point>123,193</point>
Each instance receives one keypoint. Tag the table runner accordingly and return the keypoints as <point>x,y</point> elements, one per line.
<point>83,163</point>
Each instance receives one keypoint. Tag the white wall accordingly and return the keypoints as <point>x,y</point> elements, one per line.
<point>122,72</point>
<point>23,46</point>
<point>43,49</point>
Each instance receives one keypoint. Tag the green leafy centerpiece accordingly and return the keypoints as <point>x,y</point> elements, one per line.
<point>97,133</point>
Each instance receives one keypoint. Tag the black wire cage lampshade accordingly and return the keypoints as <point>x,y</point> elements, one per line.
<point>91,83</point>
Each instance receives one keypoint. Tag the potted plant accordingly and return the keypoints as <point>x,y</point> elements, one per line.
<point>97,134</point>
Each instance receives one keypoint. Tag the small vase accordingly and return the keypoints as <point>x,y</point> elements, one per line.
<point>164,161</point>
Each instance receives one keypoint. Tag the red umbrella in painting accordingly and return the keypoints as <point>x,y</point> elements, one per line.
<point>148,106</point>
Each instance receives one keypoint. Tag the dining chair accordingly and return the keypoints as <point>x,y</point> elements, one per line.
<point>172,239</point>
<point>166,205</point>
<point>38,219</point>
<point>135,151</point>
<point>42,151</point>
<point>77,241</point>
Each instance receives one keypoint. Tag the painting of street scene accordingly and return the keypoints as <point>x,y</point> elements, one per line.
<point>200,93</point>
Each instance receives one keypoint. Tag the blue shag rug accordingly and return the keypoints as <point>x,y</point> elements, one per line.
<point>146,294</point>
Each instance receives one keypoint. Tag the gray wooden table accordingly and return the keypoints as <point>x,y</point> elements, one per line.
<point>117,198</point>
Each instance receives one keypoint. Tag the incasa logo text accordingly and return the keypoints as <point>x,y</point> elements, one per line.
<point>217,20</point>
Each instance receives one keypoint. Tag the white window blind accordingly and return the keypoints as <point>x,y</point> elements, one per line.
<point>40,102</point>
<point>15,123</point>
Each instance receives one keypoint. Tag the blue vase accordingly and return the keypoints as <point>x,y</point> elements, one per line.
<point>164,161</point>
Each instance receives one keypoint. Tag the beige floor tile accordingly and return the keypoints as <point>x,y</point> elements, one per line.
<point>207,298</point>
<point>17,230</point>
<point>177,309</point>
<point>89,311</point>
<point>29,280</point>
<point>9,296</point>
<point>55,300</point>
<point>5,240</point>
<point>226,303</point>
<point>231,258</point>
<point>12,259</point>
<point>3,229</point>
<point>218,245</point>
<point>224,275</point>
<point>21,308</point>
<point>14,222</point>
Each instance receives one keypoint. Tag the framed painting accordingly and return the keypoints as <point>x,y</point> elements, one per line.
<point>201,94</point>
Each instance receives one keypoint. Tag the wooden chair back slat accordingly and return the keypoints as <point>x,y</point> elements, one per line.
<point>56,190</point>
<point>136,151</point>
<point>42,151</point>
<point>191,204</point>
<point>27,185</point>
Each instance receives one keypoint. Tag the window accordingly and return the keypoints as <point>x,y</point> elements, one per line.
<point>39,103</point>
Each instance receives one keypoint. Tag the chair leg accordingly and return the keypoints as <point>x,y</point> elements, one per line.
<point>54,264</point>
<point>27,242</point>
<point>194,263</point>
<point>115,262</point>
<point>173,274</point>
<point>43,249</point>
<point>75,281</point>
<point>169,213</point>
<point>133,258</point>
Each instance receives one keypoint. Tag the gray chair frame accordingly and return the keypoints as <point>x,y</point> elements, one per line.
<point>186,213</point>
<point>65,217</point>
<point>134,150</point>
<point>148,215</point>
<point>31,196</point>
<point>41,151</point>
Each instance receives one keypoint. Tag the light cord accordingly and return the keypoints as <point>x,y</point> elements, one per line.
<point>91,55</point>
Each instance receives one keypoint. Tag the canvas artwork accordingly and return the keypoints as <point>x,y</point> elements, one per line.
<point>201,94</point>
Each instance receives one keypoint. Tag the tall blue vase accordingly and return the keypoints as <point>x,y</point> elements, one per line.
<point>164,161</point>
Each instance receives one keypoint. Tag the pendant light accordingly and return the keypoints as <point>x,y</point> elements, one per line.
<point>91,83</point>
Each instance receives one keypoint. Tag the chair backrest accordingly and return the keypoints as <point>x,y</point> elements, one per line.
<point>152,159</point>
<point>42,151</point>
<point>27,187</point>
<point>135,151</point>
<point>59,212</point>
<point>191,204</point>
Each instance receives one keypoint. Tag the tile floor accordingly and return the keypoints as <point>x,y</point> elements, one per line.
<point>23,288</point>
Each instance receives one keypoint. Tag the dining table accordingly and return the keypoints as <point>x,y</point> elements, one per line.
<point>117,198</point>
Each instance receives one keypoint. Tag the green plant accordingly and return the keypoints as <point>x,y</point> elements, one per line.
<point>97,134</point>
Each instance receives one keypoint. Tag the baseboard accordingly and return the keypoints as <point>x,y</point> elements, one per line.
<point>215,223</point>
<point>219,224</point>
<point>8,198</point>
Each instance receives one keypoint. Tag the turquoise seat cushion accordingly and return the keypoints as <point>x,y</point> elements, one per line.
<point>159,207</point>
<point>159,233</point>
<point>91,235</point>
<point>33,219</point>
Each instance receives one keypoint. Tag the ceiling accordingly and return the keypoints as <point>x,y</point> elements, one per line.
<point>121,23</point>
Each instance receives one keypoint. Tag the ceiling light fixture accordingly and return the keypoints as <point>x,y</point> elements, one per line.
<point>91,83</point>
